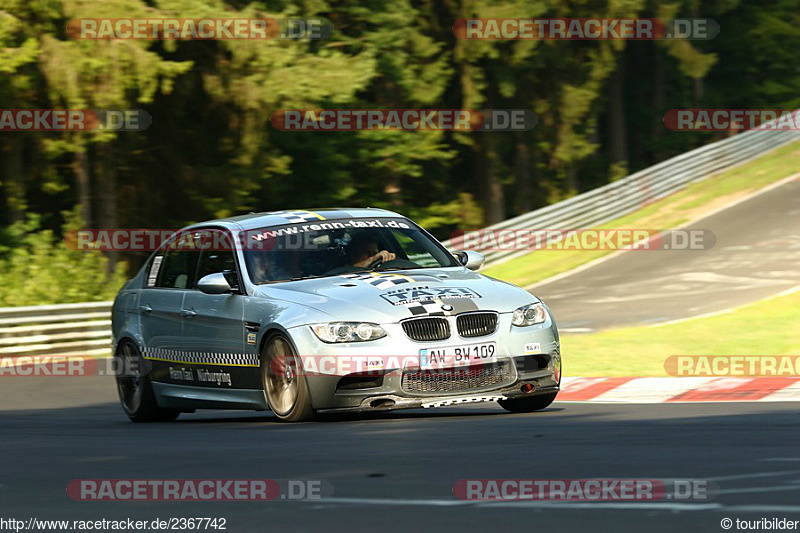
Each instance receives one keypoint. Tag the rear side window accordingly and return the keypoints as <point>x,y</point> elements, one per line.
<point>177,269</point>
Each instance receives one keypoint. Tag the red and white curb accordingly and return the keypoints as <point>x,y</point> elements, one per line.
<point>689,389</point>
<point>573,389</point>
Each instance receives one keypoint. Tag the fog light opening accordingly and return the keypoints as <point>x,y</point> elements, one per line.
<point>527,388</point>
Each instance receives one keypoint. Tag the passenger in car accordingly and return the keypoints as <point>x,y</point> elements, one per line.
<point>260,267</point>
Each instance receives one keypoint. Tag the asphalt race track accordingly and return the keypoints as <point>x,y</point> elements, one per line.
<point>756,255</point>
<point>396,472</point>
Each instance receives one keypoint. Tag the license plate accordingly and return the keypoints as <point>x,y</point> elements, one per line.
<point>461,355</point>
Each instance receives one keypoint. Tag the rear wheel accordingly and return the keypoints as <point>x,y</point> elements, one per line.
<point>528,405</point>
<point>135,390</point>
<point>285,386</point>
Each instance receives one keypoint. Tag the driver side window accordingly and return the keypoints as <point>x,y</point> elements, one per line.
<point>213,262</point>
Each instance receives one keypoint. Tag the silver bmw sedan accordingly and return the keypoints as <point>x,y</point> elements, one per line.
<point>311,311</point>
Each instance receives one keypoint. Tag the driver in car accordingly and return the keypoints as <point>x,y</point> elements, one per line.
<point>363,251</point>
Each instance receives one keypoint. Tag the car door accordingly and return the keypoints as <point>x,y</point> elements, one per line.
<point>213,325</point>
<point>171,273</point>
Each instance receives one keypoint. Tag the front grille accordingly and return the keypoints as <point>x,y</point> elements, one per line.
<point>476,324</point>
<point>427,329</point>
<point>457,379</point>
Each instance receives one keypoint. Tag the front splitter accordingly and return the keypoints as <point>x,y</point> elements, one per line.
<point>391,402</point>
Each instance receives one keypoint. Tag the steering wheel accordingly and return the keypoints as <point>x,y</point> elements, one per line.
<point>376,264</point>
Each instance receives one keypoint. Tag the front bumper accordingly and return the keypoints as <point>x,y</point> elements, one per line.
<point>339,390</point>
<point>391,402</point>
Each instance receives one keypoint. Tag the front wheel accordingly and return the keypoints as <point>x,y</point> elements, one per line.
<point>283,380</point>
<point>528,405</point>
<point>135,390</point>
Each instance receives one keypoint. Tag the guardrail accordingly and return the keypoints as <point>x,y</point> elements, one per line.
<point>83,329</point>
<point>628,194</point>
<point>64,330</point>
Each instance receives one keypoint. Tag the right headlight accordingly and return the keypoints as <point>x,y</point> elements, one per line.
<point>529,315</point>
<point>348,331</point>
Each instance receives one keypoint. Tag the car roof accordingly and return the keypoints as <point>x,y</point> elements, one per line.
<point>288,216</point>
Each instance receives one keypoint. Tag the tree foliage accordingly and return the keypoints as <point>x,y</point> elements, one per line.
<point>211,150</point>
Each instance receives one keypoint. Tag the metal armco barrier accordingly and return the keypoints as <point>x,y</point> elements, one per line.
<point>67,329</point>
<point>628,194</point>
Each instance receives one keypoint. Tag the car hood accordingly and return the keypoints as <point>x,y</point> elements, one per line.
<point>388,297</point>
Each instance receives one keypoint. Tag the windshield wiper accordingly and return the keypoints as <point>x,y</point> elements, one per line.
<point>362,271</point>
<point>418,267</point>
<point>299,278</point>
<point>373,270</point>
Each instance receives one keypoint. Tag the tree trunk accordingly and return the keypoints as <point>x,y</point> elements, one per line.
<point>659,99</point>
<point>13,178</point>
<point>394,190</point>
<point>489,186</point>
<point>107,194</point>
<point>699,83</point>
<point>616,109</point>
<point>699,91</point>
<point>572,179</point>
<point>80,166</point>
<point>522,171</point>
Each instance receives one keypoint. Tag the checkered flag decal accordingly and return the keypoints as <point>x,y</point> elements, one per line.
<point>427,308</point>
<point>379,281</point>
<point>202,358</point>
<point>295,217</point>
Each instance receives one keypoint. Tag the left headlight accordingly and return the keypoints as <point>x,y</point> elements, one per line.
<point>529,315</point>
<point>348,331</point>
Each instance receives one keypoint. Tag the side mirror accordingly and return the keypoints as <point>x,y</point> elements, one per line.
<point>470,259</point>
<point>214,284</point>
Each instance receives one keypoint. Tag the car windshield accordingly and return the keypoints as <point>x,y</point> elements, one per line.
<point>343,246</point>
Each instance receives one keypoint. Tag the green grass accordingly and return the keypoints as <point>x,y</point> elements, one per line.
<point>768,327</point>
<point>680,208</point>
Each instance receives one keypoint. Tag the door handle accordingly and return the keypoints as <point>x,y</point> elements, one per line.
<point>188,313</point>
<point>145,308</point>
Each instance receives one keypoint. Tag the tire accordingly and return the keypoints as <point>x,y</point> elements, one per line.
<point>135,390</point>
<point>285,387</point>
<point>528,405</point>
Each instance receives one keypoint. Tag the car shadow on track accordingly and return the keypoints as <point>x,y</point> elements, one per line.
<point>112,414</point>
<point>333,418</point>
